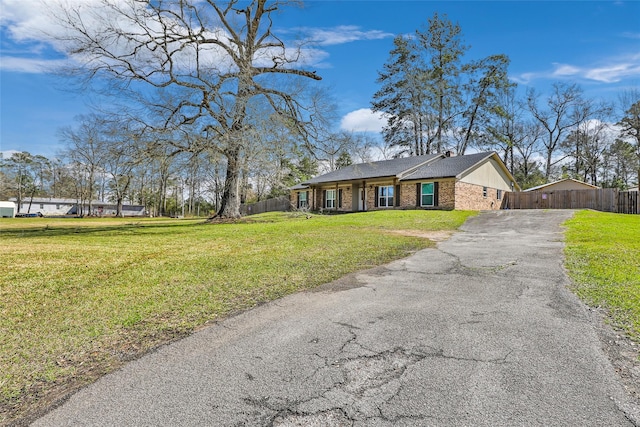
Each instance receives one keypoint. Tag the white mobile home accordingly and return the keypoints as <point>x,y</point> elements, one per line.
<point>7,209</point>
<point>63,207</point>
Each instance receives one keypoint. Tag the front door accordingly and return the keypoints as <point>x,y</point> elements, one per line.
<point>361,206</point>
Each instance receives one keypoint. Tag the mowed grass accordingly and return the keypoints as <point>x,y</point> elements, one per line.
<point>603,259</point>
<point>78,297</point>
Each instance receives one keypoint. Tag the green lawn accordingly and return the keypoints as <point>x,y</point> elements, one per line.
<point>603,259</point>
<point>78,297</point>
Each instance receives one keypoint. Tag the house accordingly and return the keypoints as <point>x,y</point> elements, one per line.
<point>563,184</point>
<point>7,209</point>
<point>434,181</point>
<point>62,207</point>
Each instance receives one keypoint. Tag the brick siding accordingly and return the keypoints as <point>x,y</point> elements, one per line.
<point>446,194</point>
<point>470,197</point>
<point>452,194</point>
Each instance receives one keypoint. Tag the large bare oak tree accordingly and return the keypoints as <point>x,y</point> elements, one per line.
<point>202,64</point>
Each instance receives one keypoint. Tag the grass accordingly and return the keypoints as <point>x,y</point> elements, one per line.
<point>79,297</point>
<point>603,259</point>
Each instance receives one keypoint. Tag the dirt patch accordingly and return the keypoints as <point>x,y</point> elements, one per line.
<point>436,236</point>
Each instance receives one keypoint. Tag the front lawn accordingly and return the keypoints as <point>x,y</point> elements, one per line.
<point>603,259</point>
<point>79,297</point>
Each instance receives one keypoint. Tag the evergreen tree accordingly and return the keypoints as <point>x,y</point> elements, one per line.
<point>630,128</point>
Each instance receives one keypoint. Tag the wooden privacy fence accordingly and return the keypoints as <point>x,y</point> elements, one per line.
<point>602,199</point>
<point>628,202</point>
<point>270,205</point>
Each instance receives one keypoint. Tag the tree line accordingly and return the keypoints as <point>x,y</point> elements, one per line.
<point>434,100</point>
<point>104,160</point>
<point>212,108</point>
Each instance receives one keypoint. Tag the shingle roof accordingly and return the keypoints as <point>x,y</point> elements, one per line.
<point>299,187</point>
<point>540,187</point>
<point>448,167</point>
<point>382,168</point>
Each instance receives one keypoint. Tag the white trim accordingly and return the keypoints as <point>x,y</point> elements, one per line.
<point>432,194</point>
<point>387,197</point>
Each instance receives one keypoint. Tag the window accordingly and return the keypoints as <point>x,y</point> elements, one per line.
<point>330,202</point>
<point>484,191</point>
<point>385,196</point>
<point>302,199</point>
<point>499,195</point>
<point>41,205</point>
<point>426,194</point>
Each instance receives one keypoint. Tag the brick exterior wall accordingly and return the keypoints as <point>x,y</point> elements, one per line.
<point>347,198</point>
<point>446,195</point>
<point>408,195</point>
<point>469,197</point>
<point>452,194</point>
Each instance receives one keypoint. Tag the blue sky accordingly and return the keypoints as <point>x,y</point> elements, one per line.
<point>593,43</point>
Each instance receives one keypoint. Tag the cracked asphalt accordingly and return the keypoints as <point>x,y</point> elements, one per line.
<point>479,331</point>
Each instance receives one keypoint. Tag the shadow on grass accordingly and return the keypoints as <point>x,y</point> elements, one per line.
<point>62,230</point>
<point>117,228</point>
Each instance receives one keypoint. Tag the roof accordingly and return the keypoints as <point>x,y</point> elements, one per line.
<point>47,200</point>
<point>449,167</point>
<point>431,166</point>
<point>299,187</point>
<point>59,201</point>
<point>4,204</point>
<point>549,184</point>
<point>383,168</point>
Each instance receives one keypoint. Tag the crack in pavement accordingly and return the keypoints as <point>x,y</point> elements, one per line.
<point>363,384</point>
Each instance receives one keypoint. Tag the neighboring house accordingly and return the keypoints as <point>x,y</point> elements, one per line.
<point>435,181</point>
<point>7,209</point>
<point>563,184</point>
<point>60,207</point>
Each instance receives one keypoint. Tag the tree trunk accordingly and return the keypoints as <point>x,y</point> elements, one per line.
<point>230,203</point>
<point>548,165</point>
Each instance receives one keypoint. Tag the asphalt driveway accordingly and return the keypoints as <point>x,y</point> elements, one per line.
<point>480,331</point>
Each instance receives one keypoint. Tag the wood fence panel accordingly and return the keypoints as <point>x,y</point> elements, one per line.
<point>277,204</point>
<point>629,202</point>
<point>601,199</point>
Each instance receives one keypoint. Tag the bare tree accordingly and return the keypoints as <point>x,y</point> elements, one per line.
<point>122,152</point>
<point>329,147</point>
<point>560,115</point>
<point>213,57</point>
<point>505,129</point>
<point>86,148</point>
<point>588,139</point>
<point>23,176</point>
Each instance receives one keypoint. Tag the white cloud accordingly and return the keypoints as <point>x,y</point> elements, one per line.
<point>363,120</point>
<point>29,65</point>
<point>614,72</point>
<point>341,35</point>
<point>631,35</point>
<point>565,70</point>
<point>608,70</point>
<point>37,45</point>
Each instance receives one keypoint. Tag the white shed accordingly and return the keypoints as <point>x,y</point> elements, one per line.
<point>7,209</point>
